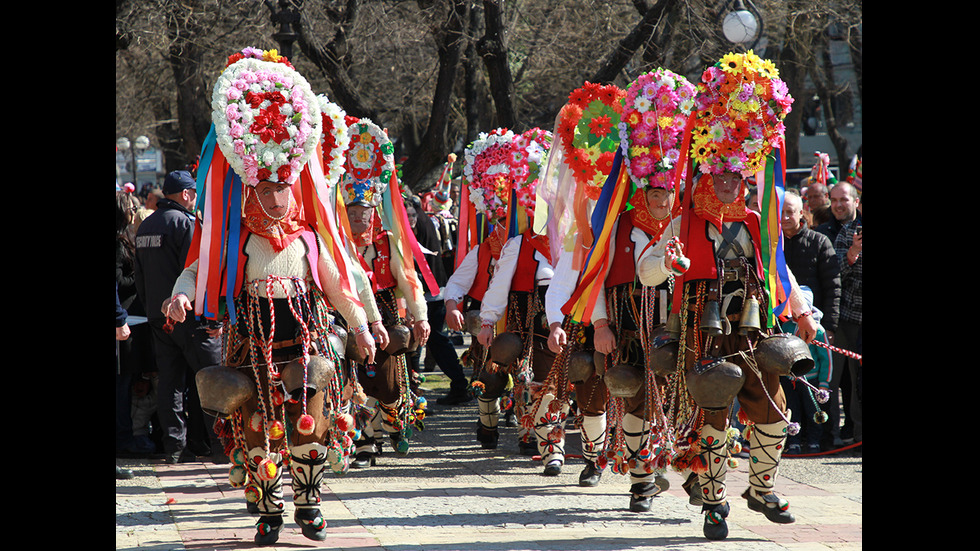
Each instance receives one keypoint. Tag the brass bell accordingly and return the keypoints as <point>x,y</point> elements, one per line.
<point>711,319</point>
<point>674,325</point>
<point>750,317</point>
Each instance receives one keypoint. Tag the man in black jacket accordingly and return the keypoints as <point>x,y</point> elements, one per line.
<point>439,345</point>
<point>813,260</point>
<point>162,242</point>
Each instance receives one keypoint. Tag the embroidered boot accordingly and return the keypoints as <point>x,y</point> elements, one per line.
<point>486,432</point>
<point>593,436</point>
<point>714,451</point>
<point>307,465</point>
<point>265,492</point>
<point>766,447</point>
<point>550,436</point>
<point>645,485</point>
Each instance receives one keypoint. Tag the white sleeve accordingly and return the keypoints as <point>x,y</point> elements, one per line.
<point>494,304</point>
<point>561,288</point>
<point>650,266</point>
<point>545,271</point>
<point>462,279</point>
<point>187,282</point>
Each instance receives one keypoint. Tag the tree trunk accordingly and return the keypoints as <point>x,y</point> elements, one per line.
<point>827,90</point>
<point>624,51</point>
<point>433,149</point>
<point>330,59</point>
<point>494,53</point>
<point>193,92</point>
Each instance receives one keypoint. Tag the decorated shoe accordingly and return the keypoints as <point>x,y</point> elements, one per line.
<point>775,508</point>
<point>590,475</point>
<point>693,489</point>
<point>267,530</point>
<point>642,494</point>
<point>487,437</point>
<point>715,526</point>
<point>312,523</point>
<point>553,468</point>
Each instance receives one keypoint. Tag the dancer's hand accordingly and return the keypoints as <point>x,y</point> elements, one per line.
<point>380,334</point>
<point>557,339</point>
<point>485,336</point>
<point>605,339</point>
<point>365,342</point>
<point>454,318</point>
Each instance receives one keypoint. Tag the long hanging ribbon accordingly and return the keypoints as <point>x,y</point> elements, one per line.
<point>688,200</point>
<point>773,259</point>
<point>612,201</point>
<point>463,229</point>
<point>211,186</point>
<point>320,211</point>
<point>395,219</point>
<point>233,214</point>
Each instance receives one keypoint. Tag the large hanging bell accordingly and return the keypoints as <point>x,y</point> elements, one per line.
<point>714,382</point>
<point>581,366</point>
<point>623,380</point>
<point>319,371</point>
<point>749,321</point>
<point>472,322</point>
<point>784,354</point>
<point>223,390</point>
<point>663,353</point>
<point>338,341</point>
<point>711,319</point>
<point>506,348</point>
<point>494,384</point>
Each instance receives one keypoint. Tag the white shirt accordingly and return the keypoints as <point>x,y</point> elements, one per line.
<point>463,277</point>
<point>565,280</point>
<point>494,304</point>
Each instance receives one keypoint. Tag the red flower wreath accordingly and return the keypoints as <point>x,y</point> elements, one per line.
<point>587,127</point>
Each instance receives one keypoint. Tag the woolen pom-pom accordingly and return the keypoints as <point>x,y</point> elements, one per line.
<point>344,422</point>
<point>305,425</point>
<point>267,470</point>
<point>255,422</point>
<point>253,493</point>
<point>236,476</point>
<point>277,430</point>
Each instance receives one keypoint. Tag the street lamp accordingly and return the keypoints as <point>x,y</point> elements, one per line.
<point>742,25</point>
<point>286,17</point>
<point>139,145</point>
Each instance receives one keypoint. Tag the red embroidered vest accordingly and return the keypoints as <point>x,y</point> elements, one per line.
<point>527,265</point>
<point>483,272</point>
<point>379,272</point>
<point>701,249</point>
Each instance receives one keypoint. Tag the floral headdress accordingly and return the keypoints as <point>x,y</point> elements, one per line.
<point>741,104</point>
<point>587,127</point>
<point>266,118</point>
<point>655,114</point>
<point>370,163</point>
<point>334,141</point>
<point>489,170</point>
<point>531,156</point>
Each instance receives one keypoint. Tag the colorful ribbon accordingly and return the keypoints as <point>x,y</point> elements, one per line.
<point>395,219</point>
<point>613,200</point>
<point>775,274</point>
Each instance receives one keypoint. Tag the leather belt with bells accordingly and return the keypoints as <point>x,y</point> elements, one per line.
<point>734,270</point>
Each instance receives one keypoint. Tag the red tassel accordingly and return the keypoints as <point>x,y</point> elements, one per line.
<point>699,465</point>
